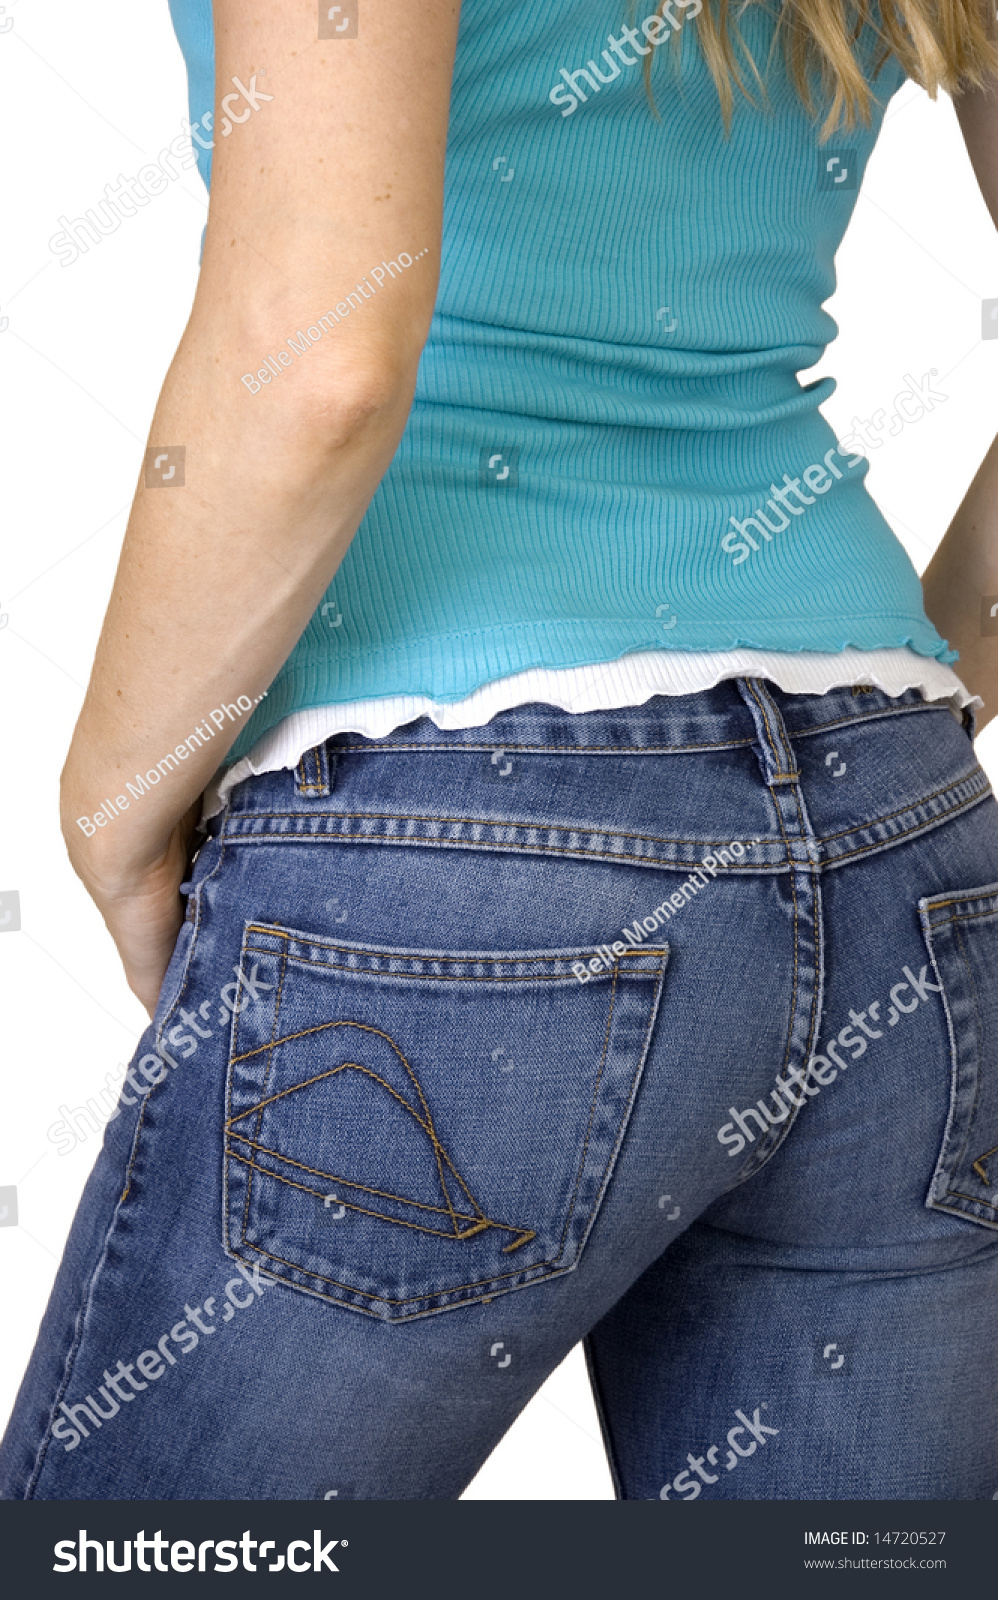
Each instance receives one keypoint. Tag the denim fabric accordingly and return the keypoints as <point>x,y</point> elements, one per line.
<point>463,1056</point>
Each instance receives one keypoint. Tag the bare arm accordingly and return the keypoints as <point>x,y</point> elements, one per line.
<point>341,170</point>
<point>964,569</point>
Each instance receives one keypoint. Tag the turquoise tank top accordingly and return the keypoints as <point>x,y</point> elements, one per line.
<point>609,449</point>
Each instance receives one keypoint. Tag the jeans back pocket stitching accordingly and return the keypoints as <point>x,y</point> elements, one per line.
<point>529,1274</point>
<point>592,1112</point>
<point>930,927</point>
<point>480,1223</point>
<point>437,977</point>
<point>427,1127</point>
<point>958,939</point>
<point>270,1058</point>
<point>430,1131</point>
<point>657,974</point>
<point>636,1076</point>
<point>349,1183</point>
<point>976,1165</point>
<point>388,1300</point>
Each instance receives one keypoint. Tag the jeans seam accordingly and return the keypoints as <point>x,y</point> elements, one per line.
<point>763,1154</point>
<point>877,713</point>
<point>198,918</point>
<point>74,1348</point>
<point>843,857</point>
<point>966,916</point>
<point>888,816</point>
<point>773,1140</point>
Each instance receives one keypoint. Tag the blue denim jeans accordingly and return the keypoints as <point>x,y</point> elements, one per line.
<point>672,1028</point>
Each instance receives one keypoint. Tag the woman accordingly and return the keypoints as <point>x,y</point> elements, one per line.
<point>601,902</point>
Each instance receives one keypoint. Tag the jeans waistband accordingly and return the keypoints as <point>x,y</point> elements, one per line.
<point>711,719</point>
<point>741,761</point>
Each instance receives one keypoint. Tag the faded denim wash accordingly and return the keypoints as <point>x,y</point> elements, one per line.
<point>415,1115</point>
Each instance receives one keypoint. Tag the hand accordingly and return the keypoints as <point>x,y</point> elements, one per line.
<point>141,906</point>
<point>963,571</point>
<point>953,605</point>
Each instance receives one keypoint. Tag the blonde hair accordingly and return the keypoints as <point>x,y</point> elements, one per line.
<point>942,44</point>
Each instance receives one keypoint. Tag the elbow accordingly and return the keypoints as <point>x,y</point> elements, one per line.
<point>325,412</point>
<point>314,384</point>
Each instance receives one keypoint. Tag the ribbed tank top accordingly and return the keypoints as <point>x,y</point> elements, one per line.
<point>609,449</point>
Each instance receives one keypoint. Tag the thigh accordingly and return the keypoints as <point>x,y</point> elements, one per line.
<point>738,1378</point>
<point>823,1329</point>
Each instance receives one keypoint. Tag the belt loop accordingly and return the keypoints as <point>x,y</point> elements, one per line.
<point>315,773</point>
<point>970,722</point>
<point>776,756</point>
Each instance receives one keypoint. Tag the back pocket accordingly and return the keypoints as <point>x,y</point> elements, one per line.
<point>961,931</point>
<point>411,1131</point>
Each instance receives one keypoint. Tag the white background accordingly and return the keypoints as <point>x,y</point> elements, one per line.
<point>89,94</point>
